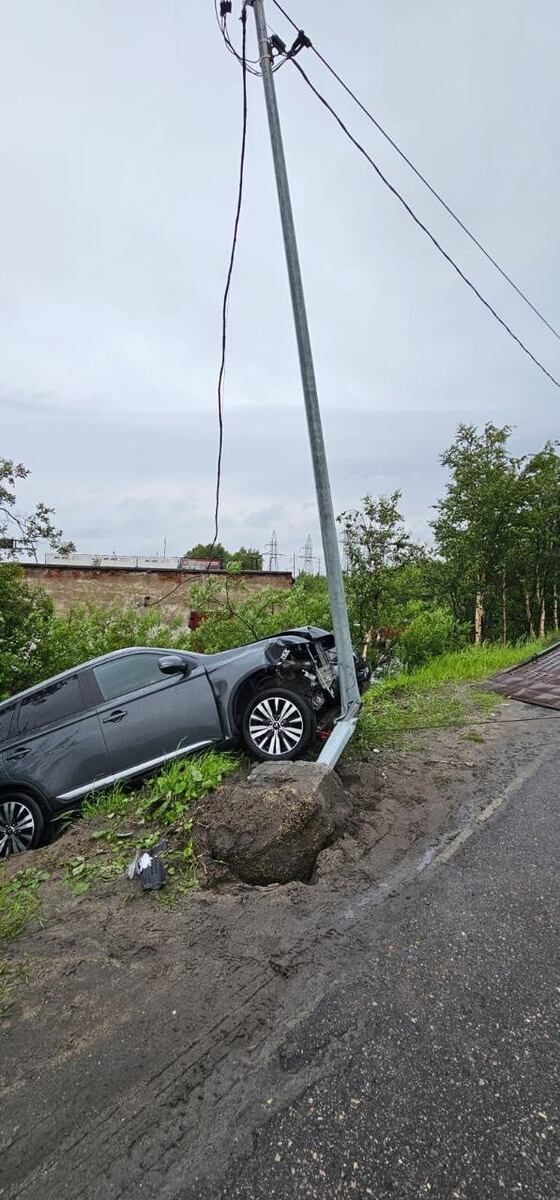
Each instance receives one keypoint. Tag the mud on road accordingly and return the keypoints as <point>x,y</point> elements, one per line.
<point>149,1044</point>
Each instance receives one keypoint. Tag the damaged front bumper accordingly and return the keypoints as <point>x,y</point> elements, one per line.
<point>309,656</point>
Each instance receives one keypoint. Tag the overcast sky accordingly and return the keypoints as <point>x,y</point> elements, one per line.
<point>119,152</point>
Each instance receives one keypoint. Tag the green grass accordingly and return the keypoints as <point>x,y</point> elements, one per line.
<point>139,819</point>
<point>19,902</point>
<point>168,796</point>
<point>80,872</point>
<point>115,802</point>
<point>12,976</point>
<point>471,664</point>
<point>428,697</point>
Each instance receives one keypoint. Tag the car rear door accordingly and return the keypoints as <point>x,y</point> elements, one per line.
<point>7,717</point>
<point>148,716</point>
<point>56,743</point>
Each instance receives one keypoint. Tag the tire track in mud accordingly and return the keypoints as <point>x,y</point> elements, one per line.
<point>197,1104</point>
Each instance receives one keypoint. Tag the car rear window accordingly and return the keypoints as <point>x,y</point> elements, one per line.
<point>51,704</point>
<point>131,673</point>
<point>6,715</point>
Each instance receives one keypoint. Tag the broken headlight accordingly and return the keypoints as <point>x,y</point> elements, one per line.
<point>276,653</point>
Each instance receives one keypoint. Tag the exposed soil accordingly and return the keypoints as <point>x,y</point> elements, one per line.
<point>130,1056</point>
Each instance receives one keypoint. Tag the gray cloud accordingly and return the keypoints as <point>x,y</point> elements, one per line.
<point>119,169</point>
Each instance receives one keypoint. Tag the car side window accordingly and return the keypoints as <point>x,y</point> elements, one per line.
<point>130,673</point>
<point>6,715</point>
<point>51,704</point>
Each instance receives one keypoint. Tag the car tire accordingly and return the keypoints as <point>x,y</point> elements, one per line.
<point>22,824</point>
<point>277,725</point>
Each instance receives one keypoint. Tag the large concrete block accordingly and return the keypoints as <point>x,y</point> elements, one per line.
<point>270,827</point>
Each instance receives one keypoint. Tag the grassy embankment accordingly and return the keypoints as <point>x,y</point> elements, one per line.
<point>112,826</point>
<point>115,823</point>
<point>441,693</point>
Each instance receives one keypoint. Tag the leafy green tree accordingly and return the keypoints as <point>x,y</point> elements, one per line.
<point>206,550</point>
<point>245,559</point>
<point>242,560</point>
<point>88,630</point>
<point>429,632</point>
<point>20,533</point>
<point>478,525</point>
<point>236,614</point>
<point>539,543</point>
<point>379,556</point>
<point>26,614</point>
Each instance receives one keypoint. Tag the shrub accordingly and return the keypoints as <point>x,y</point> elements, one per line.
<point>26,615</point>
<point>87,631</point>
<point>248,616</point>
<point>431,632</point>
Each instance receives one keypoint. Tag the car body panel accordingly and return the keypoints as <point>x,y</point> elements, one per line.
<point>173,715</point>
<point>145,767</point>
<point>70,755</point>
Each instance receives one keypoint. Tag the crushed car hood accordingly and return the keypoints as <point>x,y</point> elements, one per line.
<point>306,633</point>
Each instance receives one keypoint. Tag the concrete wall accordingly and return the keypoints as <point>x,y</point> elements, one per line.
<point>130,587</point>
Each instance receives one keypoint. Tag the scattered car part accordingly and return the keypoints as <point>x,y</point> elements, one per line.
<point>151,872</point>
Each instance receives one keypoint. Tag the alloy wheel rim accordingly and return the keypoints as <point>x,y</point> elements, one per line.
<point>276,725</point>
<point>17,827</point>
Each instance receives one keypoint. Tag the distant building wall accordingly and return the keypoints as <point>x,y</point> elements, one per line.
<point>129,586</point>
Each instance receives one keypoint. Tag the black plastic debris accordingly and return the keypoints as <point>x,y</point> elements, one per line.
<point>148,868</point>
<point>151,872</point>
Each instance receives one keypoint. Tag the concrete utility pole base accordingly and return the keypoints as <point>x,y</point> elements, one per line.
<point>270,827</point>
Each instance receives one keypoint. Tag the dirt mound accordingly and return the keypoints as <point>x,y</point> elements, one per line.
<point>270,827</point>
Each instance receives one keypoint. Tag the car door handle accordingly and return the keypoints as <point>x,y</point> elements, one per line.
<point>114,717</point>
<point>19,753</point>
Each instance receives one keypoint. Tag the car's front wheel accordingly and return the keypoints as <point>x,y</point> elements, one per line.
<point>277,724</point>
<point>21,824</point>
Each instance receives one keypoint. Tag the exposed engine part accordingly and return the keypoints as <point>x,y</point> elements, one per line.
<point>317,668</point>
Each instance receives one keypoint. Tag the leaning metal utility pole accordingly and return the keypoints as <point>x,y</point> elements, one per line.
<point>349,691</point>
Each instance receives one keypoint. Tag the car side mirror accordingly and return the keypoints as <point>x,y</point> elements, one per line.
<point>173,664</point>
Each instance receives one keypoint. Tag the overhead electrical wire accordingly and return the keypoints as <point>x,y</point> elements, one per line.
<point>251,64</point>
<point>458,725</point>
<point>227,288</point>
<point>225,299</point>
<point>301,41</point>
<point>247,64</point>
<point>422,226</point>
<point>437,195</point>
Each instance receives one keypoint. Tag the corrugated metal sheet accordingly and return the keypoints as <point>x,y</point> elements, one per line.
<point>128,561</point>
<point>536,681</point>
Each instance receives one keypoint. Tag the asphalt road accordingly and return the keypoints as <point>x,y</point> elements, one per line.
<point>432,1068</point>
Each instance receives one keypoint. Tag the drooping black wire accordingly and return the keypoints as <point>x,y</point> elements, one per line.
<point>250,63</point>
<point>229,276</point>
<point>225,300</point>
<point>461,725</point>
<point>423,179</point>
<point>422,226</point>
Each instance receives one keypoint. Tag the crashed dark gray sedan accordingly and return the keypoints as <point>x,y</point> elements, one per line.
<point>128,713</point>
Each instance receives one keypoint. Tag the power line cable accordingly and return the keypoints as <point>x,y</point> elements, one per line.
<point>460,724</point>
<point>422,226</point>
<point>437,195</point>
<point>227,288</point>
<point>225,302</point>
<point>250,63</point>
<point>221,12</point>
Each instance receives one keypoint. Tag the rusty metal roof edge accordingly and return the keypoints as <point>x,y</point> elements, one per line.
<point>525,661</point>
